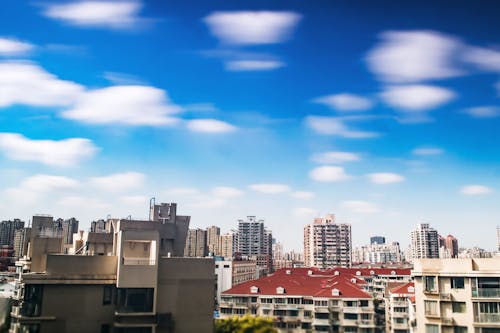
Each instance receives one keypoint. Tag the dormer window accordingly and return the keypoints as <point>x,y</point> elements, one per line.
<point>280,290</point>
<point>288,272</point>
<point>393,272</point>
<point>335,292</point>
<point>411,289</point>
<point>353,280</point>
<point>358,273</point>
<point>254,290</point>
<point>372,272</point>
<point>336,273</point>
<point>309,272</point>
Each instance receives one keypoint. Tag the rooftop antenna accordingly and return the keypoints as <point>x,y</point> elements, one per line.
<point>152,203</point>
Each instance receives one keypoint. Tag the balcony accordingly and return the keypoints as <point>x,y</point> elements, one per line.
<point>445,296</point>
<point>486,293</point>
<point>432,315</point>
<point>138,261</point>
<point>488,318</point>
<point>365,323</point>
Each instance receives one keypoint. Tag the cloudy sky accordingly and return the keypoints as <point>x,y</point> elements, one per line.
<point>386,114</point>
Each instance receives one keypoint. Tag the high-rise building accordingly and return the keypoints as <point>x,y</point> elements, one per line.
<point>227,245</point>
<point>498,237</point>
<point>424,242</point>
<point>451,245</point>
<point>327,244</point>
<point>8,229</point>
<point>98,226</point>
<point>377,240</point>
<point>196,243</point>
<point>213,234</point>
<point>21,238</point>
<point>252,238</point>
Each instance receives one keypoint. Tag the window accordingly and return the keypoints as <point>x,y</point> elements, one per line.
<point>105,328</point>
<point>351,316</point>
<point>430,308</point>
<point>489,307</point>
<point>307,314</point>
<point>431,328</point>
<point>350,304</point>
<point>135,299</point>
<point>279,300</point>
<point>240,311</point>
<point>107,295</point>
<point>363,303</point>
<point>321,315</point>
<point>458,307</point>
<point>266,300</point>
<point>460,329</point>
<point>457,282</point>
<point>430,283</point>
<point>32,306</point>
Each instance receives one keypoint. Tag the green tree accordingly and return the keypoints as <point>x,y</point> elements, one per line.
<point>246,324</point>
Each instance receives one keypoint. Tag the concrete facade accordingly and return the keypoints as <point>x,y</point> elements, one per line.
<point>140,286</point>
<point>457,295</point>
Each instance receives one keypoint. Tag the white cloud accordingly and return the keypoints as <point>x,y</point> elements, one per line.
<point>123,79</point>
<point>362,207</point>
<point>27,83</point>
<point>253,65</point>
<point>427,151</point>
<point>335,126</point>
<point>226,192</point>
<point>328,174</point>
<point>124,105</point>
<point>475,190</point>
<point>412,56</point>
<point>270,188</point>
<point>345,102</point>
<point>92,204</point>
<point>210,126</point>
<point>385,178</point>
<point>247,27</point>
<point>200,107</point>
<point>99,13</point>
<point>483,112</point>
<point>48,183</point>
<point>304,212</point>
<point>485,59</point>
<point>334,157</point>
<point>302,195</point>
<point>119,181</point>
<point>66,152</point>
<point>14,47</point>
<point>208,203</point>
<point>135,200</point>
<point>416,98</point>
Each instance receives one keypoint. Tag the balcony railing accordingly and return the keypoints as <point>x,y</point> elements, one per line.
<point>486,292</point>
<point>447,321</point>
<point>488,318</point>
<point>138,261</point>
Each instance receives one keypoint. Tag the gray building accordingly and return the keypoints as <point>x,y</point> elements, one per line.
<point>143,285</point>
<point>377,240</point>
<point>196,243</point>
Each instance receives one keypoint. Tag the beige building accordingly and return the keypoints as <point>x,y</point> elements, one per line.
<point>400,308</point>
<point>327,244</point>
<point>139,286</point>
<point>457,295</point>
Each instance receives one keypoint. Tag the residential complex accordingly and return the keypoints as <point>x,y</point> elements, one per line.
<point>141,285</point>
<point>424,242</point>
<point>327,244</point>
<point>196,243</point>
<point>457,295</point>
<point>8,229</point>
<point>377,253</point>
<point>400,308</point>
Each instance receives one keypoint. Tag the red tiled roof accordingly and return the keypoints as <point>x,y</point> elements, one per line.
<point>352,271</point>
<point>299,283</point>
<point>404,289</point>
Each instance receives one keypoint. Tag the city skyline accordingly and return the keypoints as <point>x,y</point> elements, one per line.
<point>282,111</point>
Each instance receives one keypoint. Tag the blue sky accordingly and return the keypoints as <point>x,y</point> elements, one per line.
<point>386,114</point>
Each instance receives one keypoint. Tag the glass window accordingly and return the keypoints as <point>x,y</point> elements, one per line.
<point>135,299</point>
<point>457,282</point>
<point>32,306</point>
<point>350,316</point>
<point>107,295</point>
<point>430,307</point>
<point>460,329</point>
<point>430,283</point>
<point>458,307</point>
<point>431,328</point>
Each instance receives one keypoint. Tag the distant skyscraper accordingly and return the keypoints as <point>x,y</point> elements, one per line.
<point>451,244</point>
<point>327,244</point>
<point>196,243</point>
<point>227,245</point>
<point>498,238</point>
<point>424,242</point>
<point>8,229</point>
<point>253,237</point>
<point>21,238</point>
<point>377,253</point>
<point>98,226</point>
<point>213,234</point>
<point>69,227</point>
<point>377,240</point>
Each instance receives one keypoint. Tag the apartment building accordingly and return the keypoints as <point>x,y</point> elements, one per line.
<point>457,295</point>
<point>304,300</point>
<point>424,242</point>
<point>400,308</point>
<point>140,286</point>
<point>196,243</point>
<point>229,273</point>
<point>327,244</point>
<point>376,253</point>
